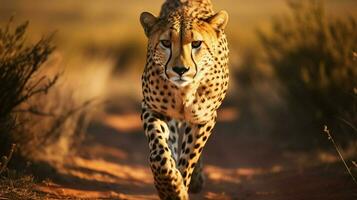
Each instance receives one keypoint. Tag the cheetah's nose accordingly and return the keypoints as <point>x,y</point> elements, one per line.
<point>180,70</point>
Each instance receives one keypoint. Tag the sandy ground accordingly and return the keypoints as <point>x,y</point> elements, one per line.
<point>243,166</point>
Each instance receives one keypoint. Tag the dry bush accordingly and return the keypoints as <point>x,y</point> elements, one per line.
<point>53,125</point>
<point>45,117</point>
<point>18,65</point>
<point>41,115</point>
<point>312,56</point>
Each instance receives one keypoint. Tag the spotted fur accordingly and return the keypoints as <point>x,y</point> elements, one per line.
<point>184,82</point>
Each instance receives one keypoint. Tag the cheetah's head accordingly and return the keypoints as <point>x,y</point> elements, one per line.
<point>182,46</point>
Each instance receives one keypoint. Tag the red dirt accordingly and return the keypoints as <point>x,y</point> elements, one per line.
<point>112,164</point>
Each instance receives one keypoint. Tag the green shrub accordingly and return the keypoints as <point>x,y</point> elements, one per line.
<point>313,57</point>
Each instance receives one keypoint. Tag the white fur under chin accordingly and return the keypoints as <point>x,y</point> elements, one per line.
<point>181,82</point>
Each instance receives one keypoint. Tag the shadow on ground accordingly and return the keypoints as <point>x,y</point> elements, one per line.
<point>112,164</point>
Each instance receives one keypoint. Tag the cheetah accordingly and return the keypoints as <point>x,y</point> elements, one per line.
<point>184,82</point>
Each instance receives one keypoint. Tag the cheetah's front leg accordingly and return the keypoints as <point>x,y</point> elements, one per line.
<point>194,139</point>
<point>167,178</point>
<point>197,178</point>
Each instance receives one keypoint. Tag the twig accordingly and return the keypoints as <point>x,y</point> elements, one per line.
<point>34,111</point>
<point>348,123</point>
<point>339,152</point>
<point>354,163</point>
<point>43,89</point>
<point>33,86</point>
<point>7,159</point>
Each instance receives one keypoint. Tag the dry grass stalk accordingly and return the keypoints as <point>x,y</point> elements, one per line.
<point>5,159</point>
<point>329,136</point>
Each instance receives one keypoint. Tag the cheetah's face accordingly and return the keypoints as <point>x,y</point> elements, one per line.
<point>183,48</point>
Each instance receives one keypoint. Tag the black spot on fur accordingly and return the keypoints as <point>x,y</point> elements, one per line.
<point>163,161</point>
<point>189,139</point>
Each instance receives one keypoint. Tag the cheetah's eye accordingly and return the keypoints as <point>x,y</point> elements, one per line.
<point>196,44</point>
<point>166,43</point>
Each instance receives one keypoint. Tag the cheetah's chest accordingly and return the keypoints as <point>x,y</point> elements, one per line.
<point>194,103</point>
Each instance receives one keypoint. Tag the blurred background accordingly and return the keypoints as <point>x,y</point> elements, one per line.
<point>293,70</point>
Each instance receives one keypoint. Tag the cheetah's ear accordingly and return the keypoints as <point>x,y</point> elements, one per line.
<point>219,20</point>
<point>147,20</point>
